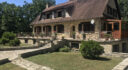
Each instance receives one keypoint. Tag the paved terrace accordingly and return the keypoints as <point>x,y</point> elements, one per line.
<point>15,53</point>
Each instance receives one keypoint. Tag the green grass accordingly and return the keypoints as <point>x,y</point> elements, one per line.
<point>73,61</point>
<point>9,66</point>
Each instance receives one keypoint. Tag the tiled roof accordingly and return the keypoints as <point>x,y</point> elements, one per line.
<point>83,9</point>
<point>63,5</point>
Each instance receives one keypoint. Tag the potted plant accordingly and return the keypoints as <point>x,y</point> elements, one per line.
<point>108,36</point>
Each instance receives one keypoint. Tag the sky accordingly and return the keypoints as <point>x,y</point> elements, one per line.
<point>21,2</point>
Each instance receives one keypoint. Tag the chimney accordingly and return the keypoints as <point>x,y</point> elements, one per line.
<point>47,5</point>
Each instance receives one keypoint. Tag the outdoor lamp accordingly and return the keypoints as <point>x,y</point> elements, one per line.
<point>92,21</point>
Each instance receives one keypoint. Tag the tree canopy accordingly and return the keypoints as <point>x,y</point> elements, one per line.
<point>17,19</point>
<point>123,5</point>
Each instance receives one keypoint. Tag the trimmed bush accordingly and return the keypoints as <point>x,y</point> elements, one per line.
<point>10,38</point>
<point>4,41</point>
<point>12,43</point>
<point>64,49</point>
<point>91,49</point>
<point>15,42</point>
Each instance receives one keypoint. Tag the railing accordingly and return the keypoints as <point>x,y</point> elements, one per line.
<point>30,34</point>
<point>25,34</point>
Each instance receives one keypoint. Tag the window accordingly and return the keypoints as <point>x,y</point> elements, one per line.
<point>48,16</point>
<point>34,41</point>
<point>115,48</point>
<point>60,14</point>
<point>109,10</point>
<point>112,11</point>
<point>124,47</point>
<point>115,13</point>
<point>54,28</point>
<point>59,28</point>
<point>86,27</point>
<point>38,29</point>
<point>26,40</point>
<point>116,26</point>
<point>75,45</point>
<point>73,28</point>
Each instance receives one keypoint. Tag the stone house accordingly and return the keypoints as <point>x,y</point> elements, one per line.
<point>78,20</point>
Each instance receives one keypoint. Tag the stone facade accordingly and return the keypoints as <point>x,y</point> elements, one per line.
<point>68,29</point>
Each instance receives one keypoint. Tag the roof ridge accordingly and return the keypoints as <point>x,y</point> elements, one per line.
<point>59,5</point>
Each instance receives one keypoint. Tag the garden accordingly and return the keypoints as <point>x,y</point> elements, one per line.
<point>89,58</point>
<point>9,40</point>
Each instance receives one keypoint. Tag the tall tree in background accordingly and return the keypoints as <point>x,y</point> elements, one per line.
<point>17,19</point>
<point>123,4</point>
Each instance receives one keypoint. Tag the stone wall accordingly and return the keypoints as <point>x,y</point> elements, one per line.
<point>108,45</point>
<point>68,29</point>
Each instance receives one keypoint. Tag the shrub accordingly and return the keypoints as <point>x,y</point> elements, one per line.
<point>91,49</point>
<point>12,43</point>
<point>10,38</point>
<point>64,49</point>
<point>9,35</point>
<point>4,41</point>
<point>15,42</point>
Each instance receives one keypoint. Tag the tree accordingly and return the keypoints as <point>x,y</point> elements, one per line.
<point>123,5</point>
<point>17,19</point>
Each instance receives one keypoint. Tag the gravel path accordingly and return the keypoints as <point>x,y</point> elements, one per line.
<point>14,54</point>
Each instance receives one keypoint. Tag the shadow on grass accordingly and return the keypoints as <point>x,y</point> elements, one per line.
<point>99,58</point>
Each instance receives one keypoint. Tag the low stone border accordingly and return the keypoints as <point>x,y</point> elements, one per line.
<point>3,61</point>
<point>122,66</point>
<point>29,54</point>
<point>18,48</point>
<point>53,48</point>
<point>21,48</point>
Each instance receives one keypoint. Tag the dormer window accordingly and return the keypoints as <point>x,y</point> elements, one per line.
<point>60,14</point>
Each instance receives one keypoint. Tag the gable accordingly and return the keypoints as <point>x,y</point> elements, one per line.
<point>112,10</point>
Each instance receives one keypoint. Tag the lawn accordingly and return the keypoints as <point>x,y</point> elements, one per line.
<point>10,66</point>
<point>73,61</point>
